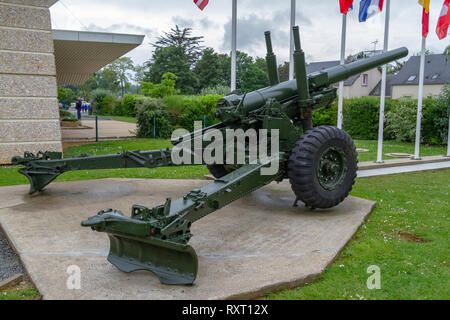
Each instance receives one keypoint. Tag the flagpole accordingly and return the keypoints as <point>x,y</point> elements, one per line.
<point>383,86</point>
<point>291,61</point>
<point>341,84</point>
<point>233,45</point>
<point>420,99</point>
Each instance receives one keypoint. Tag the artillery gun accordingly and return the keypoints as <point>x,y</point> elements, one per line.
<point>320,163</point>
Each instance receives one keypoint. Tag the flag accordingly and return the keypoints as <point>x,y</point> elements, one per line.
<point>444,20</point>
<point>201,4</point>
<point>425,17</point>
<point>425,4</point>
<point>345,5</point>
<point>369,8</point>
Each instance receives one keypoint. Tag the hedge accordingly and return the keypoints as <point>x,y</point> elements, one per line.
<point>361,115</point>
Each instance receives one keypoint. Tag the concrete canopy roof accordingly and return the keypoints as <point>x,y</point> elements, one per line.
<point>78,54</point>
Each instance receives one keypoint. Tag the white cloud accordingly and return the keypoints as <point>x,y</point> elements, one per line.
<point>320,24</point>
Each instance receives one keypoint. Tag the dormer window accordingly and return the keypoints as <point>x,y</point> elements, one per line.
<point>412,78</point>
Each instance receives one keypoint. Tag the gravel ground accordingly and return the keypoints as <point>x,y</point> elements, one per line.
<point>9,262</point>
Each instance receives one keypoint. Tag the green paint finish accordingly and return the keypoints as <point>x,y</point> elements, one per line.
<point>332,168</point>
<point>156,239</point>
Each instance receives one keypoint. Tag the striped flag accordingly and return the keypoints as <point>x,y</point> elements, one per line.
<point>444,21</point>
<point>201,4</point>
<point>369,8</point>
<point>425,17</point>
<point>345,5</point>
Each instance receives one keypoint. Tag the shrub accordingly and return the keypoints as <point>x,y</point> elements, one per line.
<point>62,94</point>
<point>401,120</point>
<point>66,115</point>
<point>326,116</point>
<point>97,97</point>
<point>147,109</point>
<point>197,107</point>
<point>163,89</point>
<point>128,105</point>
<point>117,111</point>
<point>107,105</point>
<point>435,118</point>
<point>175,105</point>
<point>361,117</point>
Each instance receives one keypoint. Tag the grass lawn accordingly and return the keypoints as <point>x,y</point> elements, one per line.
<point>407,235</point>
<point>9,175</point>
<point>395,147</point>
<point>23,291</point>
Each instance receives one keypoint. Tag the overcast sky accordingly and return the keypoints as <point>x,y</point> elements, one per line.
<point>320,23</point>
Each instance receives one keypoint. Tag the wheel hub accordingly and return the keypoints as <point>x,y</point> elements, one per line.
<point>332,168</point>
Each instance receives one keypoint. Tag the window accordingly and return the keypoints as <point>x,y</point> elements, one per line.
<point>412,78</point>
<point>365,79</point>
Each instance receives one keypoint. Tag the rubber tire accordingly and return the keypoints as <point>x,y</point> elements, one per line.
<point>217,170</point>
<point>304,160</point>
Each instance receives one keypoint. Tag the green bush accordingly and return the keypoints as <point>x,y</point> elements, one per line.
<point>147,109</point>
<point>163,89</point>
<point>128,105</point>
<point>361,117</point>
<point>107,105</point>
<point>97,96</point>
<point>175,105</point>
<point>401,121</point>
<point>435,118</point>
<point>197,107</point>
<point>326,117</point>
<point>64,114</point>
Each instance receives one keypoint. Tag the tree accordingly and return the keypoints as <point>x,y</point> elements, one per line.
<point>181,38</point>
<point>283,71</point>
<point>175,60</point>
<point>250,74</point>
<point>164,89</point>
<point>208,69</point>
<point>122,67</point>
<point>62,94</point>
<point>106,78</point>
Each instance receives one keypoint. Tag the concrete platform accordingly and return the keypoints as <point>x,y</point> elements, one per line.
<point>257,244</point>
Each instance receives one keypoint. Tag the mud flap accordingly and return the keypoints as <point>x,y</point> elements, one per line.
<point>172,263</point>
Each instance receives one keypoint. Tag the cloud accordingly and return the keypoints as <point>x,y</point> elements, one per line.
<point>183,22</point>
<point>250,35</point>
<point>320,24</point>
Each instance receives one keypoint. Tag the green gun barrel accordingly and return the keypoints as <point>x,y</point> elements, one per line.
<point>287,91</point>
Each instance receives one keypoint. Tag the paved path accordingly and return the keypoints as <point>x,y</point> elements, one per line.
<point>107,129</point>
<point>254,245</point>
<point>397,166</point>
<point>384,171</point>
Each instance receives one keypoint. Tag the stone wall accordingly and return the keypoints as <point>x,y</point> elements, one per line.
<point>29,119</point>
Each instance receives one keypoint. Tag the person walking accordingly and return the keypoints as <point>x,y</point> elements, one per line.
<point>78,106</point>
